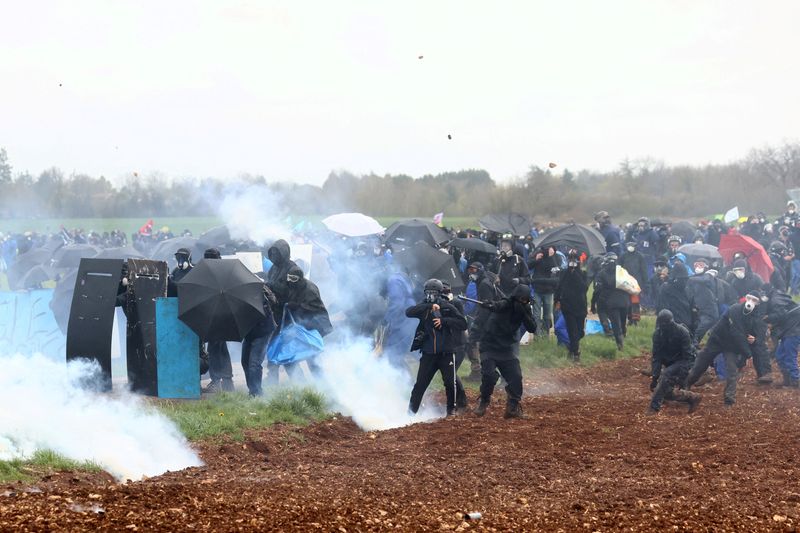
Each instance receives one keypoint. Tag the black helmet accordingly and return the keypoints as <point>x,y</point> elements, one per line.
<point>777,248</point>
<point>664,318</point>
<point>433,289</point>
<point>212,253</point>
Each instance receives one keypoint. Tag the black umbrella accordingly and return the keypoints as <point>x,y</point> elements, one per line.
<point>70,256</point>
<point>165,250</point>
<point>220,300</point>
<point>215,237</point>
<point>577,236</point>
<point>514,223</point>
<point>24,263</point>
<point>411,231</point>
<point>685,230</point>
<point>35,276</point>
<point>123,252</point>
<point>425,262</point>
<point>474,244</point>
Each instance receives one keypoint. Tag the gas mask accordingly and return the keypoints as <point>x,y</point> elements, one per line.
<point>641,228</point>
<point>739,273</point>
<point>750,304</point>
<point>572,264</point>
<point>505,249</point>
<point>183,261</point>
<point>292,278</point>
<point>431,297</point>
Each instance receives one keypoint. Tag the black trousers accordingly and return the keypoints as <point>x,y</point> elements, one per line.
<point>495,365</point>
<point>575,330</point>
<point>619,322</point>
<point>706,358</point>
<point>668,388</point>
<point>429,364</point>
<point>219,361</point>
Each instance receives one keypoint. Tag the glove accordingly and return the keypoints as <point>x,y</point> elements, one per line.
<point>488,305</point>
<point>653,384</point>
<point>516,281</point>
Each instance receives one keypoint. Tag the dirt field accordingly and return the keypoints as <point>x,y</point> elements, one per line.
<point>586,458</point>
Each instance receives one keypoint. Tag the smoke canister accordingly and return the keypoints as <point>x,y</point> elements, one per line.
<point>472,516</point>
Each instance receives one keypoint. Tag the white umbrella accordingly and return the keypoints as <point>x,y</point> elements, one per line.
<point>353,224</point>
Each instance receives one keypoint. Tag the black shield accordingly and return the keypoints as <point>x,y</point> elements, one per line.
<point>147,280</point>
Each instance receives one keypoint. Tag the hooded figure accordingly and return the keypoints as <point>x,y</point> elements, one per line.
<point>183,260</point>
<point>702,291</point>
<point>735,335</point>
<point>743,280</point>
<point>613,301</point>
<point>545,269</point>
<point>610,232</point>
<point>497,347</point>
<point>571,297</point>
<point>673,296</point>
<point>783,316</point>
<point>673,356</point>
<point>279,253</point>
<point>510,267</point>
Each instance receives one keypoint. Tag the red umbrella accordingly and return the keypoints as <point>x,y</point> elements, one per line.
<point>757,256</point>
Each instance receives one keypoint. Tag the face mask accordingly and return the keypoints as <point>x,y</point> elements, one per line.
<point>505,248</point>
<point>473,277</point>
<point>431,296</point>
<point>631,248</point>
<point>699,270</point>
<point>749,306</point>
<point>573,264</point>
<point>449,296</point>
<point>739,274</point>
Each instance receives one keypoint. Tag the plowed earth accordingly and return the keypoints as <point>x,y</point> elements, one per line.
<point>586,458</point>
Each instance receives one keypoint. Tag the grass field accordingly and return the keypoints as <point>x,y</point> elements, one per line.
<point>196,225</point>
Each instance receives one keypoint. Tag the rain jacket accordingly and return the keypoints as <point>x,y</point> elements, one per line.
<point>430,339</point>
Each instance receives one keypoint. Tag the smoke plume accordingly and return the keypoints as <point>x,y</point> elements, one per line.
<point>47,406</point>
<point>253,212</point>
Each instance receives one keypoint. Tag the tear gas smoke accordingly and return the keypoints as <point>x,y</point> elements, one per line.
<point>368,389</point>
<point>46,406</point>
<point>253,212</point>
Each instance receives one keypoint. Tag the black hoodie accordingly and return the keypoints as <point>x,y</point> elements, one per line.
<point>279,254</point>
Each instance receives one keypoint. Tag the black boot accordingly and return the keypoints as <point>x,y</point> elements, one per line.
<point>576,357</point>
<point>513,410</point>
<point>481,409</point>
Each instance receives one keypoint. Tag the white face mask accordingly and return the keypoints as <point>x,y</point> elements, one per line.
<point>699,270</point>
<point>749,306</point>
<point>631,248</point>
<point>739,274</point>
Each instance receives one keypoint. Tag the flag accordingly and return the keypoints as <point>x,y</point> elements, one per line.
<point>732,215</point>
<point>437,218</point>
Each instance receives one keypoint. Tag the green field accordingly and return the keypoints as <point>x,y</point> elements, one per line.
<point>196,225</point>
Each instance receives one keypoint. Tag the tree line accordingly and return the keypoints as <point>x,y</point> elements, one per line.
<point>638,187</point>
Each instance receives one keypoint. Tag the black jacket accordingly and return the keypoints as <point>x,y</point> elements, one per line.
<point>175,276</point>
<point>500,334</point>
<point>751,282</point>
<point>673,295</point>
<point>671,344</point>
<point>606,292</point>
<point>702,295</point>
<point>634,262</point>
<point>306,305</point>
<point>487,292</point>
<point>571,291</point>
<point>783,314</point>
<point>544,275</point>
<point>279,254</point>
<point>430,339</point>
<point>512,271</point>
<point>731,331</point>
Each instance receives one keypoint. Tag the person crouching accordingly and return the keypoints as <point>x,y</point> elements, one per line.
<point>497,346</point>
<point>437,335</point>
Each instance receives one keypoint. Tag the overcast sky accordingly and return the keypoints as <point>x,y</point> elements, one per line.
<point>293,90</point>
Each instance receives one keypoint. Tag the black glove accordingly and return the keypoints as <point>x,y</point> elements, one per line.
<point>488,305</point>
<point>653,383</point>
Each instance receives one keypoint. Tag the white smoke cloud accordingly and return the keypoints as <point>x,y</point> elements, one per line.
<point>253,212</point>
<point>46,407</point>
<point>367,388</point>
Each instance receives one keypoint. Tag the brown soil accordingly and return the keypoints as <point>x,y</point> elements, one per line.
<point>586,458</point>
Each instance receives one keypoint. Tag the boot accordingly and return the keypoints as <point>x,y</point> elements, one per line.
<point>212,387</point>
<point>576,357</point>
<point>703,379</point>
<point>620,346</point>
<point>513,410</point>
<point>766,379</point>
<point>651,412</point>
<point>481,409</point>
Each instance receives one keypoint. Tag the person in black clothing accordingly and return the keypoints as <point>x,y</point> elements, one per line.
<point>570,296</point>
<point>183,258</point>
<point>673,296</point>
<point>702,291</point>
<point>743,280</point>
<point>436,338</point>
<point>307,308</point>
<point>510,268</point>
<point>734,335</point>
<point>544,268</point>
<point>673,356</point>
<point>219,358</point>
<point>715,231</point>
<point>279,253</point>
<point>636,264</point>
<point>777,254</point>
<point>500,336</point>
<point>615,301</point>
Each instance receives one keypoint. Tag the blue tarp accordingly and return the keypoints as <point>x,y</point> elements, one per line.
<point>27,324</point>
